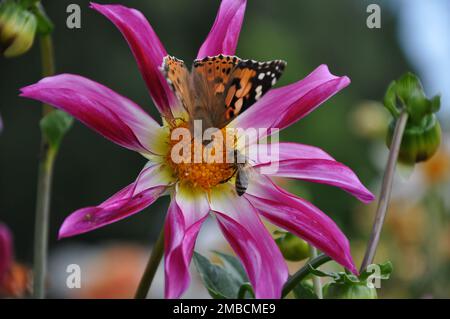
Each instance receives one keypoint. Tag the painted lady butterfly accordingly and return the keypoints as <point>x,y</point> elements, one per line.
<point>218,88</point>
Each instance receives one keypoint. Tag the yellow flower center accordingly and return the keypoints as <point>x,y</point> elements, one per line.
<point>200,165</point>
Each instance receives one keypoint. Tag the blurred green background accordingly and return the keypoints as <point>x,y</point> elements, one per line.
<point>89,168</point>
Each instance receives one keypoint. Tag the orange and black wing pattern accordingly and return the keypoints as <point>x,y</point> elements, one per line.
<point>238,83</point>
<point>248,82</point>
<point>215,72</point>
<point>178,77</point>
<point>220,87</point>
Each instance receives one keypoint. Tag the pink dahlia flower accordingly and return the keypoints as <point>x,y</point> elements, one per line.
<point>125,123</point>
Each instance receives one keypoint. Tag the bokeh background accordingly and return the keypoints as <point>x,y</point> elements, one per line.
<point>414,36</point>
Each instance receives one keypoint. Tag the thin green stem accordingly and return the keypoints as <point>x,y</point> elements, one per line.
<point>47,62</point>
<point>317,283</point>
<point>301,274</point>
<point>386,189</point>
<point>43,196</point>
<point>152,266</point>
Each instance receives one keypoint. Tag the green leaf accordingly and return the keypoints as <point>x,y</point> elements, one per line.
<point>348,286</point>
<point>390,100</point>
<point>233,265</point>
<point>435,103</point>
<point>384,272</point>
<point>220,283</point>
<point>304,290</point>
<point>54,126</point>
<point>348,278</point>
<point>320,273</point>
<point>246,291</point>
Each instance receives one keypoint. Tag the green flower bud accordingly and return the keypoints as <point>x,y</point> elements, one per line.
<point>350,286</point>
<point>17,29</point>
<point>335,290</point>
<point>422,135</point>
<point>292,247</point>
<point>419,143</point>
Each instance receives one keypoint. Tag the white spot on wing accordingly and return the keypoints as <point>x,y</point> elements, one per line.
<point>258,91</point>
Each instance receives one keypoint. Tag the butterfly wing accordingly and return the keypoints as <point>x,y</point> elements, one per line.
<point>220,87</point>
<point>210,77</point>
<point>248,82</point>
<point>230,85</point>
<point>178,77</point>
<point>214,72</point>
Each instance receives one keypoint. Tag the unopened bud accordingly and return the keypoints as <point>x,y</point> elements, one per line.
<point>292,247</point>
<point>335,290</point>
<point>17,29</point>
<point>419,143</point>
<point>422,135</point>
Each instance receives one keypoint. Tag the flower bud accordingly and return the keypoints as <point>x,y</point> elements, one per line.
<point>419,143</point>
<point>292,247</point>
<point>422,135</point>
<point>336,290</point>
<point>349,286</point>
<point>17,29</point>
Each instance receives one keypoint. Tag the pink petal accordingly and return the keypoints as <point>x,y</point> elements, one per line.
<point>309,163</point>
<point>224,34</point>
<point>6,251</point>
<point>301,218</point>
<point>322,171</point>
<point>147,50</point>
<point>185,217</point>
<point>284,106</point>
<point>251,241</point>
<point>103,110</point>
<point>269,153</point>
<point>150,184</point>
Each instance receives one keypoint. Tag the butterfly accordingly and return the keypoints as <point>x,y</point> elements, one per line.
<point>218,88</point>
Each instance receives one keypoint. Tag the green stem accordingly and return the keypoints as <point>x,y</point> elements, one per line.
<point>317,283</point>
<point>386,189</point>
<point>47,62</point>
<point>152,266</point>
<point>301,274</point>
<point>45,172</point>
